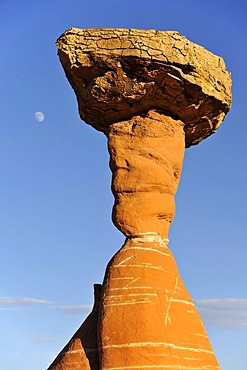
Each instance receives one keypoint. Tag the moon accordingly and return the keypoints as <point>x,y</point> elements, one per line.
<point>39,116</point>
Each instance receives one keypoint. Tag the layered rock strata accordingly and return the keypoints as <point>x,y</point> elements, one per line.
<point>153,94</point>
<point>148,320</point>
<point>146,155</point>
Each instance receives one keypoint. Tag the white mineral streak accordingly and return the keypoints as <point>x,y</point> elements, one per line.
<point>183,301</point>
<point>128,303</point>
<point>73,351</point>
<point>152,344</point>
<point>189,367</point>
<point>122,278</point>
<point>110,297</point>
<point>134,287</point>
<point>150,237</point>
<point>146,265</point>
<point>79,351</point>
<point>145,249</point>
<point>167,317</point>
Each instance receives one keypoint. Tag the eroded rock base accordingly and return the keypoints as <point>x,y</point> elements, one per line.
<point>147,317</point>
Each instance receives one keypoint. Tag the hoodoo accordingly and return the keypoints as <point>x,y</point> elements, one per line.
<point>153,93</point>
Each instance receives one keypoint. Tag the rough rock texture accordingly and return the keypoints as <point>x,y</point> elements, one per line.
<point>153,94</point>
<point>148,320</point>
<point>81,352</point>
<point>146,160</point>
<point>118,73</point>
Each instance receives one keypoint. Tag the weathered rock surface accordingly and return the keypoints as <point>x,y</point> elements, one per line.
<point>153,94</point>
<point>148,319</point>
<point>146,160</point>
<point>119,73</point>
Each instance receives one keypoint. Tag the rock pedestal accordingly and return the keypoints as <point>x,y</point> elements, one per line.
<point>147,318</point>
<point>153,94</point>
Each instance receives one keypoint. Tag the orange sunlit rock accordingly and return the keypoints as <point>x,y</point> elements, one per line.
<point>148,319</point>
<point>146,161</point>
<point>152,93</point>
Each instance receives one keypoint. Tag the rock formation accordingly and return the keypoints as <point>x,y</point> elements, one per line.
<point>82,350</point>
<point>153,94</point>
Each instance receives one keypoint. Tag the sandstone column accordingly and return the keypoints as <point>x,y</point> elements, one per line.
<point>153,94</point>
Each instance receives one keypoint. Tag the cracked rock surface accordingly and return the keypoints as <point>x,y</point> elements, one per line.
<point>118,73</point>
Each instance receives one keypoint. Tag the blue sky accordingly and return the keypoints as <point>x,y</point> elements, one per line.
<point>56,234</point>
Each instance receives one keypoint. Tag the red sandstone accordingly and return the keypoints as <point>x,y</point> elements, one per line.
<point>153,94</point>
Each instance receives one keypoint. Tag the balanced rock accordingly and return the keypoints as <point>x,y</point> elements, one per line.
<point>119,73</point>
<point>153,94</point>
